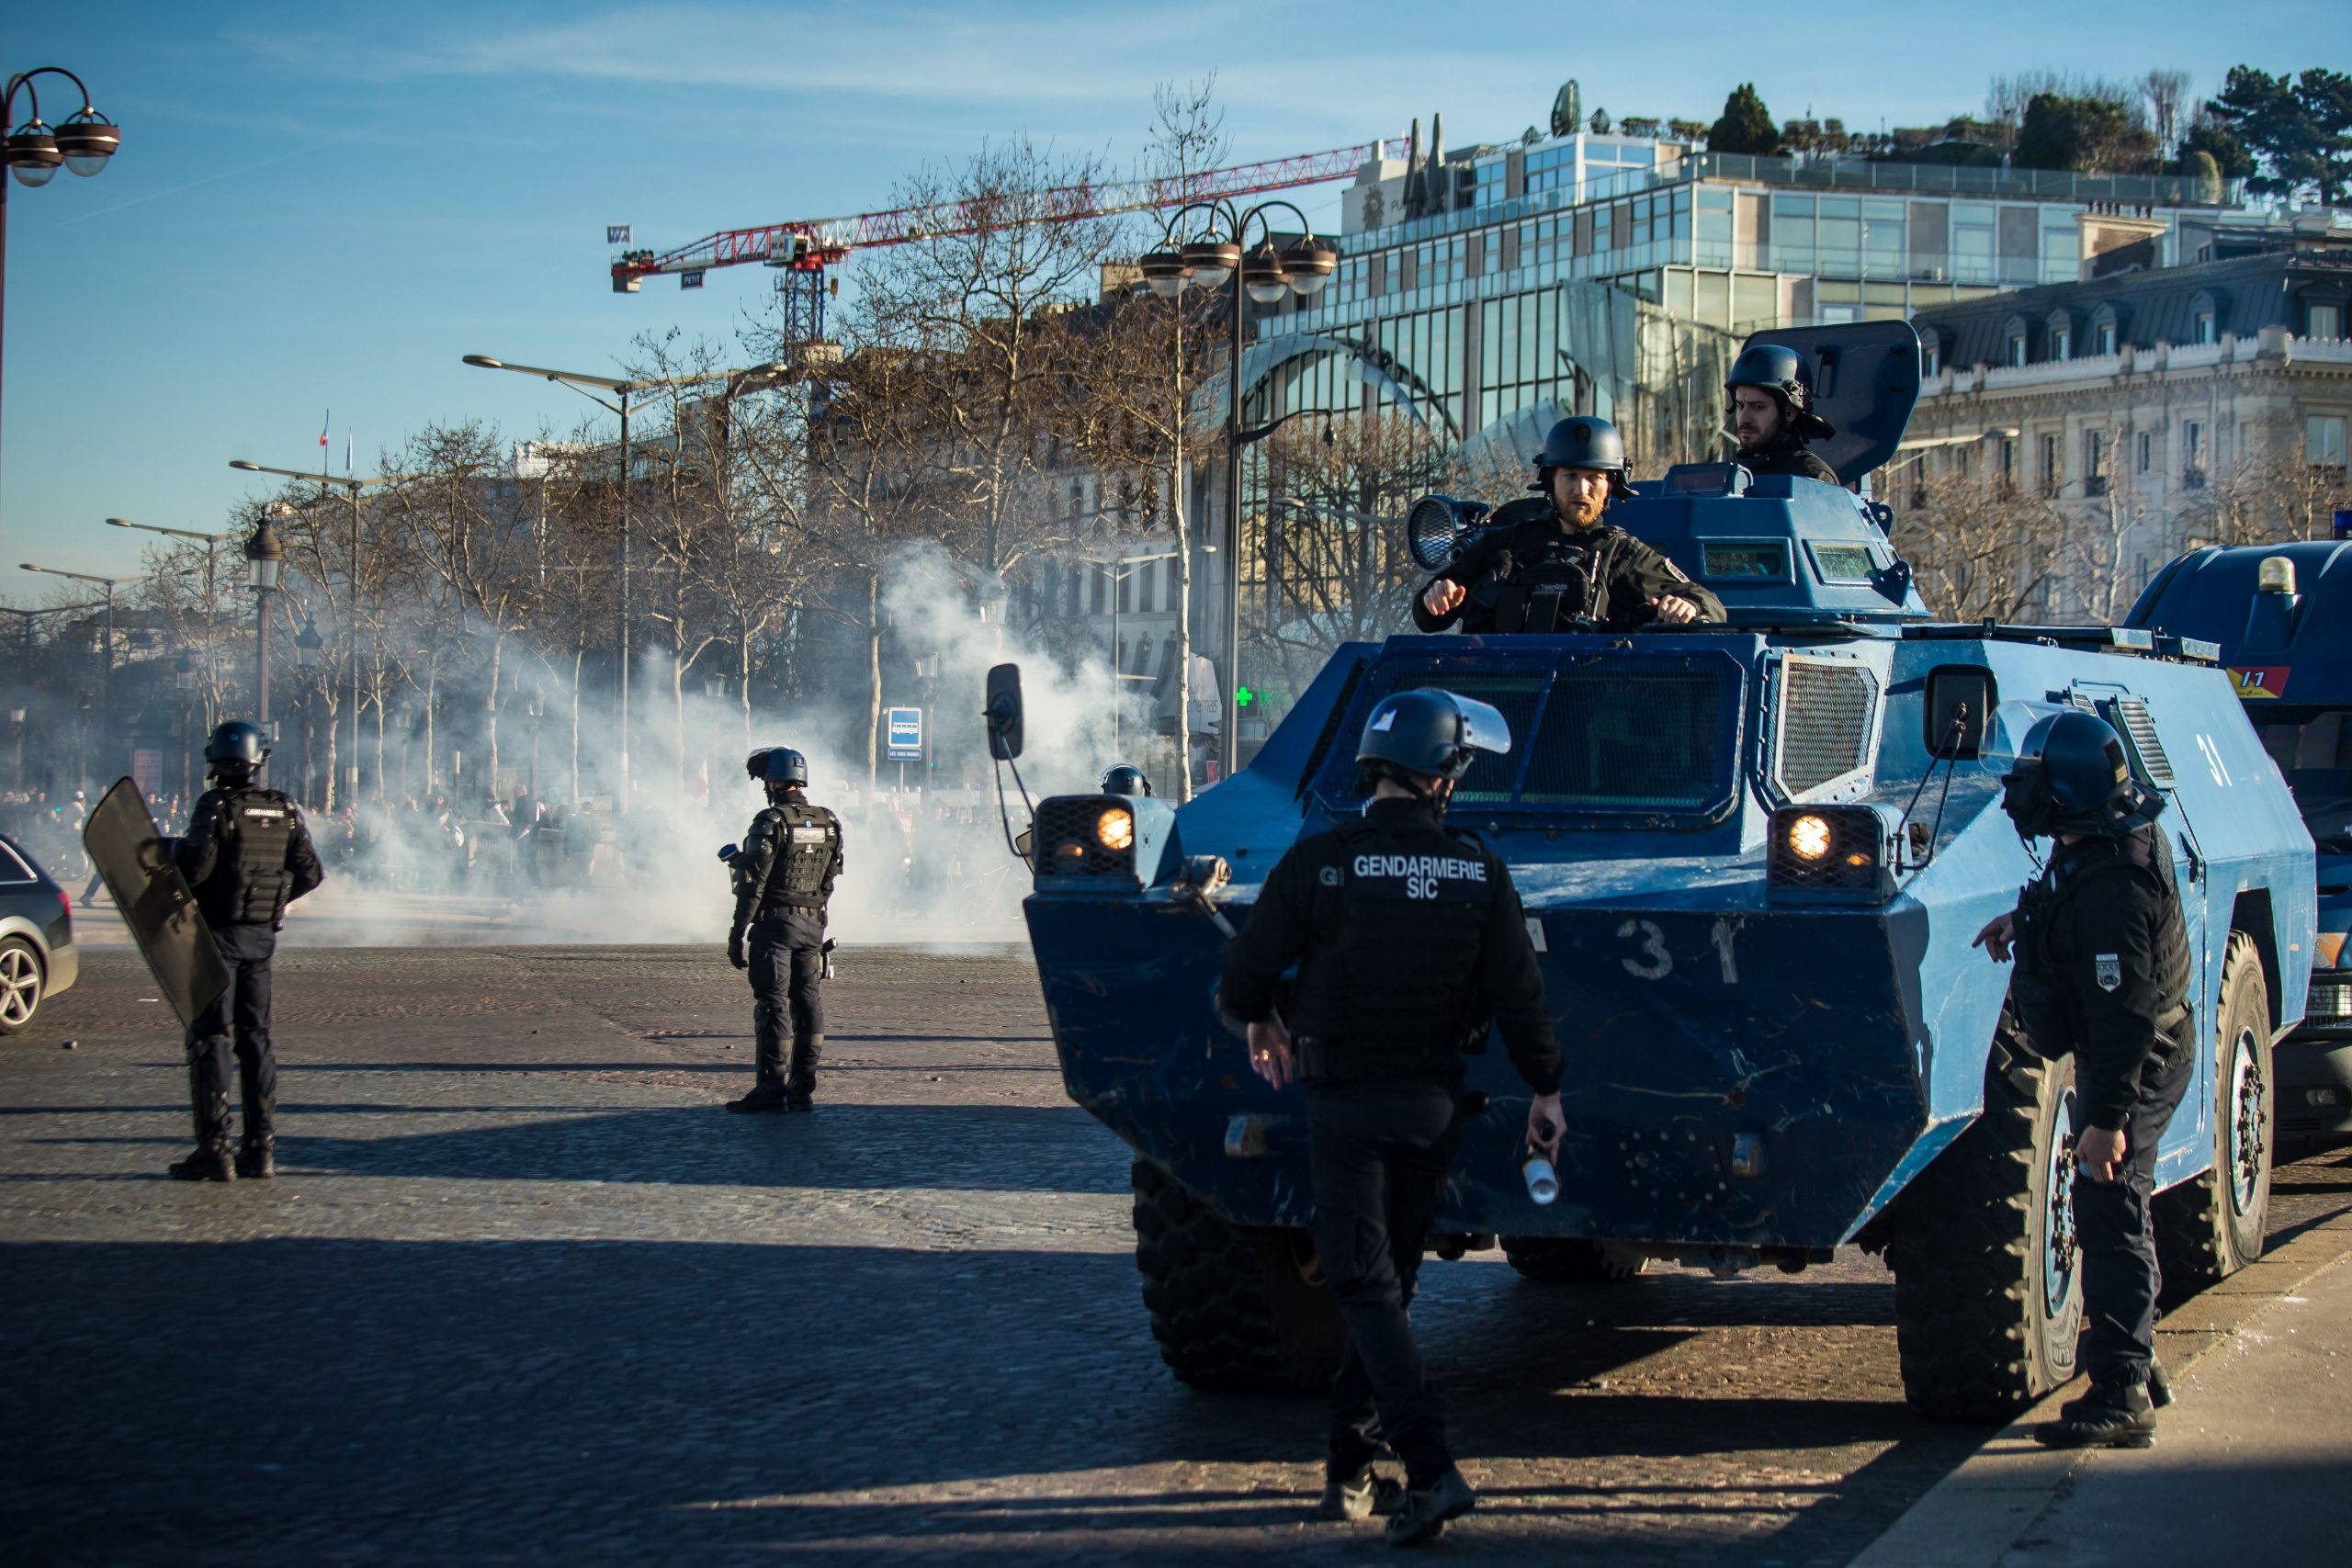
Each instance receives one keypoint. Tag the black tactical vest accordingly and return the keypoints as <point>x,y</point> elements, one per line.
<point>254,829</point>
<point>800,879</point>
<point>2049,964</point>
<point>1400,915</point>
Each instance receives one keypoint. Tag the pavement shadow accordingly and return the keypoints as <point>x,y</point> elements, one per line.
<point>711,1400</point>
<point>959,1148</point>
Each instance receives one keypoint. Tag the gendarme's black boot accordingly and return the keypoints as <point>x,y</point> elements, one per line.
<point>2112,1415</point>
<point>1363,1495</point>
<point>767,1095</point>
<point>253,1161</point>
<point>1426,1510</point>
<point>210,1162</point>
<point>2159,1392</point>
<point>800,1081</point>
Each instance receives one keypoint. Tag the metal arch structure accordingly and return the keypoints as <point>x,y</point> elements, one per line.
<point>1378,370</point>
<point>825,242</point>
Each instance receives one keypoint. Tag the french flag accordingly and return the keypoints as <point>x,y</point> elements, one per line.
<point>322,429</point>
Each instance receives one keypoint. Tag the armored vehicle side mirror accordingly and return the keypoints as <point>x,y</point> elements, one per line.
<point>1960,697</point>
<point>1024,844</point>
<point>1436,527</point>
<point>1003,712</point>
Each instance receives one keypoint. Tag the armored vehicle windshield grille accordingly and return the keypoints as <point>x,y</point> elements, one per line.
<point>1824,733</point>
<point>1595,739</point>
<point>1620,740</point>
<point>1515,696</point>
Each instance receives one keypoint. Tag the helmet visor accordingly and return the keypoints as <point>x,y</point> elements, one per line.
<point>2005,732</point>
<point>1483,728</point>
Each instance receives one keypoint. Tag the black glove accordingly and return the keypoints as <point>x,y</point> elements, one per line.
<point>735,952</point>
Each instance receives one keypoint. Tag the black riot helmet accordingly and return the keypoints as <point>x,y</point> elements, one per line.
<point>755,766</point>
<point>1582,442</point>
<point>236,750</point>
<point>1769,367</point>
<point>2072,776</point>
<point>782,767</point>
<point>1416,736</point>
<point>1125,778</point>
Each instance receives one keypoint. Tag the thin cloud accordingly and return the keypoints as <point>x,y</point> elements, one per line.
<point>240,171</point>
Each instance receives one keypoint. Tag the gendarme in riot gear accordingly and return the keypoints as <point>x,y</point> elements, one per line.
<point>1409,942</point>
<point>1770,412</point>
<point>1552,563</point>
<point>2103,972</point>
<point>1125,778</point>
<point>784,879</point>
<point>246,856</point>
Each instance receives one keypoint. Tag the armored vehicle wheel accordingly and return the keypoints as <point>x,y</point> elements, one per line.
<point>1556,1261</point>
<point>21,983</point>
<point>1988,1303</point>
<point>1238,1308</point>
<point>2212,1226</point>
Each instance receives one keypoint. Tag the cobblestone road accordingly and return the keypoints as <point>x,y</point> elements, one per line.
<point>523,1293</point>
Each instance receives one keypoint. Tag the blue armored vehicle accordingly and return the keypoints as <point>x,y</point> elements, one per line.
<point>2282,615</point>
<point>1752,858</point>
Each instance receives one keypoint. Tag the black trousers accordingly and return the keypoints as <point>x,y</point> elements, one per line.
<point>237,1025</point>
<point>1379,1153</point>
<point>787,955</point>
<point>2115,1231</point>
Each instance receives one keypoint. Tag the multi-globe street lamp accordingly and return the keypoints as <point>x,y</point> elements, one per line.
<point>623,390</point>
<point>34,152</point>
<point>264,558</point>
<point>1204,244</point>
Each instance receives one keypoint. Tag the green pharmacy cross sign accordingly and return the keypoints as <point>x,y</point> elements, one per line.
<point>1243,696</point>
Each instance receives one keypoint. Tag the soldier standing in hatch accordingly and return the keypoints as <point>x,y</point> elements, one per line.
<point>1408,938</point>
<point>246,856</point>
<point>784,878</point>
<point>1770,412</point>
<point>2103,971</point>
<point>1512,578</point>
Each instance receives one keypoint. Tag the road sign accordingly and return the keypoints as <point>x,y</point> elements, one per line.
<point>903,734</point>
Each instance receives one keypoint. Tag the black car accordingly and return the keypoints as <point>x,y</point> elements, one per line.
<point>37,954</point>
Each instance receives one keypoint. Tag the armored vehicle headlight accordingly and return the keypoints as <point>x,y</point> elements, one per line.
<point>1838,850</point>
<point>1116,830</point>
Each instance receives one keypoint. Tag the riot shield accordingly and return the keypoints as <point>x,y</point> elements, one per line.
<point>154,900</point>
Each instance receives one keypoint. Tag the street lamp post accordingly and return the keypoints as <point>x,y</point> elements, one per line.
<point>352,486</point>
<point>267,557</point>
<point>1118,580</point>
<point>623,390</point>
<point>307,643</point>
<point>34,152</point>
<point>1219,248</point>
<point>106,669</point>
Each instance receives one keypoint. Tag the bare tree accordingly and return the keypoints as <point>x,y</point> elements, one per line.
<point>2274,495</point>
<point>2167,92</point>
<point>1981,550</point>
<point>985,306</point>
<point>1339,570</point>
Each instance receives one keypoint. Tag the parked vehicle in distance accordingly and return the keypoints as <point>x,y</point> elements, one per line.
<point>37,954</point>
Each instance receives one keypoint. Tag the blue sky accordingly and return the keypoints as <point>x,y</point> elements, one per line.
<point>322,207</point>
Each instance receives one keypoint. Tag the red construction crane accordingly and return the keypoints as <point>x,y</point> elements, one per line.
<point>811,244</point>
